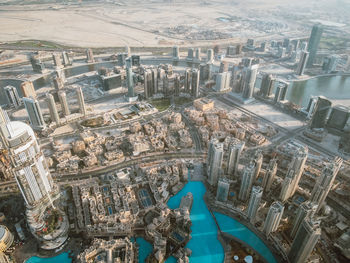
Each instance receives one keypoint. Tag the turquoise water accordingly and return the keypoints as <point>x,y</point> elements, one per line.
<point>145,248</point>
<point>236,229</point>
<point>61,258</point>
<point>204,244</point>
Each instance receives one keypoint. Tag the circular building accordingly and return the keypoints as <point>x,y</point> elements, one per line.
<point>6,238</point>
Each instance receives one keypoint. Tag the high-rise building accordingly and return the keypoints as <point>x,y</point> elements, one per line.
<point>148,83</point>
<point>176,53</point>
<point>314,41</point>
<point>34,113</point>
<point>215,155</point>
<point>246,182</point>
<point>281,91</point>
<point>210,55</point>
<point>205,72</point>
<point>12,96</point>
<point>37,65</point>
<point>267,85</point>
<point>64,104</point>
<point>177,85</point>
<point>295,171</point>
<point>27,89</point>
<point>89,56</point>
<point>81,102</point>
<point>254,203</point>
<point>305,240</point>
<point>58,83</point>
<point>223,81</point>
<point>325,181</point>
<point>198,53</point>
<point>322,108</point>
<point>33,178</point>
<point>66,59</point>
<point>128,51</point>
<point>56,57</point>
<point>257,160</point>
<point>188,78</point>
<point>248,81</point>
<point>304,58</point>
<point>6,241</point>
<point>190,54</point>
<point>235,149</point>
<point>306,209</point>
<point>273,218</point>
<point>52,108</point>
<point>130,82</point>
<point>223,66</point>
<point>330,63</point>
<point>195,78</point>
<point>339,117</point>
<point>222,190</point>
<point>269,175</point>
<point>239,49</point>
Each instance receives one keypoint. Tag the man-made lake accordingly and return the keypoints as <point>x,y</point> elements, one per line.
<point>61,258</point>
<point>204,244</point>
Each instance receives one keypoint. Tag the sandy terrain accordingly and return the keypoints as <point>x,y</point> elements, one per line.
<point>163,23</point>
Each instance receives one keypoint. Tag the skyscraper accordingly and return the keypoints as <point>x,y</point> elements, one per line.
<point>130,82</point>
<point>235,149</point>
<point>195,78</point>
<point>305,209</point>
<point>89,56</point>
<point>148,83</point>
<point>269,175</point>
<point>27,89</point>
<point>80,95</point>
<point>222,190</point>
<point>34,113</point>
<point>128,51</point>
<point>304,58</point>
<point>254,203</point>
<point>257,160</point>
<point>12,96</point>
<point>52,108</point>
<point>273,217</point>
<point>210,55</point>
<point>176,53</point>
<point>33,178</point>
<point>223,81</point>
<point>325,181</point>
<point>248,81</point>
<point>322,108</point>
<point>63,101</point>
<point>295,171</point>
<point>314,41</point>
<point>66,59</point>
<point>190,54</point>
<point>188,78</point>
<point>177,87</point>
<point>267,85</point>
<point>281,91</point>
<point>246,182</point>
<point>339,117</point>
<point>198,53</point>
<point>56,57</point>
<point>215,155</point>
<point>305,240</point>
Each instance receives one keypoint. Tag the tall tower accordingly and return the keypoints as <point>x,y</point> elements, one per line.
<point>304,58</point>
<point>52,108</point>
<point>325,182</point>
<point>33,178</point>
<point>314,41</point>
<point>258,160</point>
<point>254,203</point>
<point>222,191</point>
<point>273,217</point>
<point>247,182</point>
<point>34,113</point>
<point>188,78</point>
<point>295,171</point>
<point>248,79</point>
<point>210,55</point>
<point>195,78</point>
<point>267,85</point>
<point>305,209</point>
<point>66,59</point>
<point>235,149</point>
<point>64,105</point>
<point>12,96</point>
<point>305,240</point>
<point>269,175</point>
<point>80,95</point>
<point>215,155</point>
<point>322,107</point>
<point>56,57</point>
<point>90,56</point>
<point>176,53</point>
